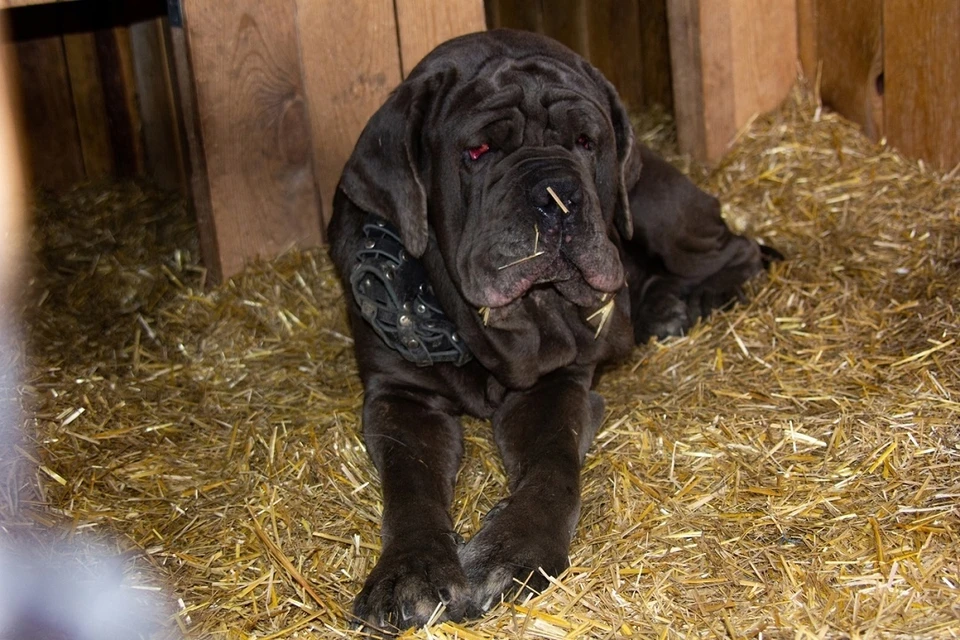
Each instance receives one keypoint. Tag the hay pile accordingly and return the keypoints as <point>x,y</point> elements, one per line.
<point>791,468</point>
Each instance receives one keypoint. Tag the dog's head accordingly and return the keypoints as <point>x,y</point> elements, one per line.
<point>516,155</point>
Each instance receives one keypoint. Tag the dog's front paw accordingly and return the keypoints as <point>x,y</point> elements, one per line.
<point>509,552</point>
<point>410,581</point>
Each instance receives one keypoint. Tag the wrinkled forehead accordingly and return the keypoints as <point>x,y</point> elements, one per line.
<point>535,88</point>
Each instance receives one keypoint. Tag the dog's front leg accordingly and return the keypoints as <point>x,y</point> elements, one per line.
<point>542,433</point>
<point>417,448</point>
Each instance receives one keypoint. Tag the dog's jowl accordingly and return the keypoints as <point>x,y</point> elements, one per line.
<point>500,235</point>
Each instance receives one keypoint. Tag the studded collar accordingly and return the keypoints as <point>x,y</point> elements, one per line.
<point>394,295</point>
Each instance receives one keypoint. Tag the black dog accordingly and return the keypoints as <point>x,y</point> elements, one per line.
<point>499,240</point>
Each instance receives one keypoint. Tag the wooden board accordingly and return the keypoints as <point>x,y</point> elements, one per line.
<point>195,159</point>
<point>115,55</point>
<point>807,38</point>
<point>158,113</point>
<point>730,61</point>
<point>686,62</point>
<point>850,53</point>
<point>921,82</point>
<point>566,21</point>
<point>655,54</point>
<point>252,117</point>
<point>764,45</point>
<point>516,14</point>
<point>54,154</point>
<point>613,46</point>
<point>89,104</point>
<point>423,24</point>
<point>351,63</point>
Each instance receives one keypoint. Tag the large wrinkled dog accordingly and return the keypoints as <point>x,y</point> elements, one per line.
<point>500,236</point>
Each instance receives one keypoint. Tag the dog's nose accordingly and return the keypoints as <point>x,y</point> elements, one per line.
<point>555,197</point>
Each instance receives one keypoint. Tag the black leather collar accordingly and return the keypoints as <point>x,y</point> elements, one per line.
<point>395,297</point>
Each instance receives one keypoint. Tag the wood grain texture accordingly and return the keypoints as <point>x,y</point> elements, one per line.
<point>351,62</point>
<point>686,64</point>
<point>850,53</point>
<point>115,56</point>
<point>163,156</point>
<point>89,103</point>
<point>55,157</point>
<point>423,24</point>
<point>807,38</point>
<point>627,40</point>
<point>517,14</point>
<point>613,46</point>
<point>567,21</point>
<point>764,45</point>
<point>255,128</point>
<point>655,54</point>
<point>195,158</point>
<point>730,61</point>
<point>922,85</point>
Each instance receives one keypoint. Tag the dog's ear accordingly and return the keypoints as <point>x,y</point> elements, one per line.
<point>383,175</point>
<point>628,153</point>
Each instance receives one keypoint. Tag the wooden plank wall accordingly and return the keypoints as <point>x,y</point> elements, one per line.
<point>255,128</point>
<point>731,60</point>
<point>279,92</point>
<point>921,79</point>
<point>844,49</point>
<point>889,65</point>
<point>96,100</point>
<point>254,106</point>
<point>347,82</point>
<point>625,39</point>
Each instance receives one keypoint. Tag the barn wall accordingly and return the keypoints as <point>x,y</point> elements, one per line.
<point>251,107</point>
<point>96,92</point>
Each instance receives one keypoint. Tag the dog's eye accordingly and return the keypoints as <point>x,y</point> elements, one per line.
<point>585,142</point>
<point>476,152</point>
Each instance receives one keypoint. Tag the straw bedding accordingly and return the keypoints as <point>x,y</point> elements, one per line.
<point>789,469</point>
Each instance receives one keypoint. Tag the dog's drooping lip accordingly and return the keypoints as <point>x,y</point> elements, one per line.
<point>553,266</point>
<point>572,252</point>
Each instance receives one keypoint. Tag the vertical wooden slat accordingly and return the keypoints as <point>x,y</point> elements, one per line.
<point>807,38</point>
<point>730,60</point>
<point>683,17</point>
<point>158,113</point>
<point>921,82</point>
<point>655,54</point>
<point>351,63</point>
<point>423,24</point>
<point>198,182</point>
<point>566,21</point>
<point>519,14</point>
<point>850,50</point>
<point>89,104</point>
<point>54,151</point>
<point>255,128</point>
<point>613,46</point>
<point>764,45</point>
<point>119,87</point>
